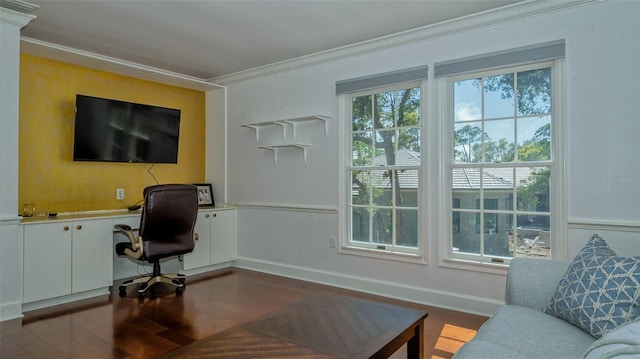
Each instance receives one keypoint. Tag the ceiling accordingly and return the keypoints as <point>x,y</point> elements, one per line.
<point>206,39</point>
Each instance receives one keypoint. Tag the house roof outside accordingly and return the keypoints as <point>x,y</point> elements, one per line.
<point>463,178</point>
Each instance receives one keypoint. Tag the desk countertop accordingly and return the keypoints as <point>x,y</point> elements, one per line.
<point>115,213</point>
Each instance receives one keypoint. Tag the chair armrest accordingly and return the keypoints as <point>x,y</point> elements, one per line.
<point>532,281</point>
<point>134,249</point>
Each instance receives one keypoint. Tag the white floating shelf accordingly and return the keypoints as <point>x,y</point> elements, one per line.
<point>291,121</point>
<point>295,121</point>
<point>257,126</point>
<point>276,148</point>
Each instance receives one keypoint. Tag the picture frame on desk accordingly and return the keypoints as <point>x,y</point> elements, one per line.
<point>205,195</point>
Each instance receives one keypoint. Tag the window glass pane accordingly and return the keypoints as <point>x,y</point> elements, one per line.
<point>381,187</point>
<point>381,226</point>
<point>385,109</point>
<point>467,240</point>
<point>466,186</point>
<point>533,240</point>
<point>467,97</point>
<point>360,224</point>
<point>496,243</point>
<point>408,107</point>
<point>409,141</point>
<point>498,96</point>
<point>408,186</point>
<point>385,147</point>
<point>360,184</point>
<point>467,140</point>
<point>407,227</point>
<point>361,113</point>
<point>490,220</point>
<point>533,189</point>
<point>534,92</point>
<point>497,182</point>
<point>499,140</point>
<point>362,151</point>
<point>534,139</point>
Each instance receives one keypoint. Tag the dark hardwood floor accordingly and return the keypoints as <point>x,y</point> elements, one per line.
<point>114,327</point>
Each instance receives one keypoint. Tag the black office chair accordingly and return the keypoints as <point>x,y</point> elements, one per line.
<point>166,229</point>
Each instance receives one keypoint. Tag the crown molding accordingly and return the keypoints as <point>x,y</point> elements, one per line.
<point>16,12</point>
<point>110,64</point>
<point>504,14</point>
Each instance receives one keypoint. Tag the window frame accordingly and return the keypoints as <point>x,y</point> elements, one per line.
<point>558,197</point>
<point>347,246</point>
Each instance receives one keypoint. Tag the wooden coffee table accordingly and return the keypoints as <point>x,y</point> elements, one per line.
<point>322,326</point>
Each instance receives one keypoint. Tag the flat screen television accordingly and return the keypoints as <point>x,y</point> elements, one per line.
<point>118,131</point>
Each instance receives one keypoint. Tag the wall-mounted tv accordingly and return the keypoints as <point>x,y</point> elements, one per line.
<point>119,131</point>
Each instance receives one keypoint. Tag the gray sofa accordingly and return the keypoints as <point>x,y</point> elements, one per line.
<point>520,329</point>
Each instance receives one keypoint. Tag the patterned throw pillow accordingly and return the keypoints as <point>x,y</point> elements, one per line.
<point>599,291</point>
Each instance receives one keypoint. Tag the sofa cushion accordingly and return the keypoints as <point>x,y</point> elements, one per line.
<point>599,291</point>
<point>521,332</point>
<point>620,343</point>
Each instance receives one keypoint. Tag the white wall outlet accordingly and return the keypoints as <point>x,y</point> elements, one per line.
<point>120,193</point>
<point>333,241</point>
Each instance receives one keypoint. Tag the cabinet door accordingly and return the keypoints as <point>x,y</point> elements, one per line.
<point>200,255</point>
<point>223,234</point>
<point>47,261</point>
<point>92,265</point>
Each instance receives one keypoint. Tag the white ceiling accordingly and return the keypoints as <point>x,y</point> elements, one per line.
<point>206,39</point>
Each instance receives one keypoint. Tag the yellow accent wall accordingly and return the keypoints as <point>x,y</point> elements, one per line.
<point>50,178</point>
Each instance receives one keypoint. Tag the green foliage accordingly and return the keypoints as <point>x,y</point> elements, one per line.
<point>464,141</point>
<point>533,192</point>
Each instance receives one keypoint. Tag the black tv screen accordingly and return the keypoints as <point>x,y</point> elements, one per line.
<point>119,131</point>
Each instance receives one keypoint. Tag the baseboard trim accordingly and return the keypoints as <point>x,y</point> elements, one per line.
<point>26,307</point>
<point>10,310</point>
<point>440,299</point>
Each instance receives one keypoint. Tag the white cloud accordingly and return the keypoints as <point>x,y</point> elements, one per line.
<point>467,112</point>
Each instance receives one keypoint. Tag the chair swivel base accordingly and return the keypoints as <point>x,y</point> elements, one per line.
<point>148,283</point>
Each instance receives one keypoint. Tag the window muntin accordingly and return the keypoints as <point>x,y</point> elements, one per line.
<point>501,166</point>
<point>385,168</point>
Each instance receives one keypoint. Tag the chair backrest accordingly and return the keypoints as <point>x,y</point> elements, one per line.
<point>168,220</point>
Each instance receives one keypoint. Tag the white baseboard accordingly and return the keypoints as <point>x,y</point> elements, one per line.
<point>26,307</point>
<point>10,310</point>
<point>426,296</point>
<point>211,268</point>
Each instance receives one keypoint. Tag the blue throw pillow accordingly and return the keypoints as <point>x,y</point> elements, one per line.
<point>599,291</point>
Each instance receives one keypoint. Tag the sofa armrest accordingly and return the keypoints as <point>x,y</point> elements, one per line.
<point>532,281</point>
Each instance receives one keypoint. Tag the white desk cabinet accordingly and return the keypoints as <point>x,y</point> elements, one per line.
<point>216,230</point>
<point>66,257</point>
<point>223,232</point>
<point>201,255</point>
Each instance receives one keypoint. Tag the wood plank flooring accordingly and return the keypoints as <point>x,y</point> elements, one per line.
<point>114,327</point>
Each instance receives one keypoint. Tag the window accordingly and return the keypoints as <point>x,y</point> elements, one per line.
<point>502,164</point>
<point>384,168</point>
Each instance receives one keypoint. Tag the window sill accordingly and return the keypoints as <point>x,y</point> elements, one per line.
<point>384,254</point>
<point>474,266</point>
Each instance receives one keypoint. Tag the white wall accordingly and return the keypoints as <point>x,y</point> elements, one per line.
<point>288,210</point>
